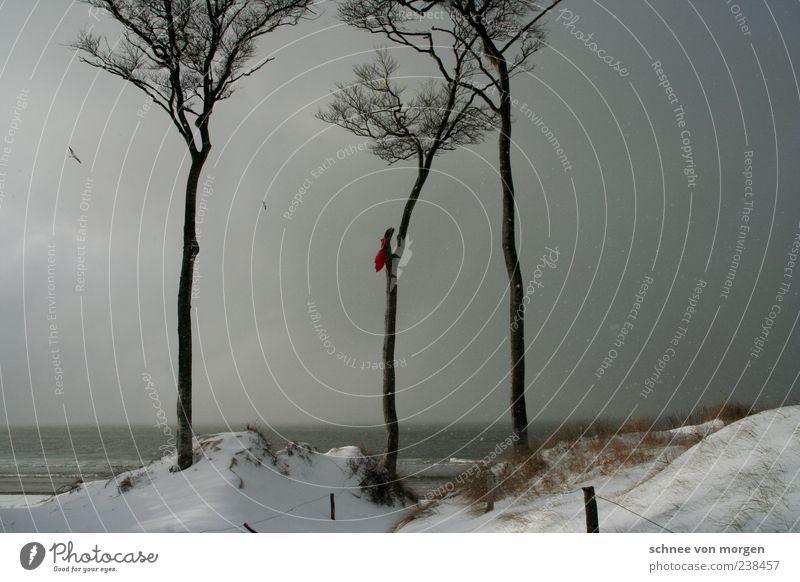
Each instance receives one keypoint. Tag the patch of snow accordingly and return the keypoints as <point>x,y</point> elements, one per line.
<point>741,477</point>
<point>345,452</point>
<point>236,478</point>
<point>702,430</point>
<point>21,500</point>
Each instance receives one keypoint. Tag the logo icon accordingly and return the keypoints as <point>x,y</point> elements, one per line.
<point>31,555</point>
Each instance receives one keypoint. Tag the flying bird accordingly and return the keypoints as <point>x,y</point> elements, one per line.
<point>73,156</point>
<point>264,204</point>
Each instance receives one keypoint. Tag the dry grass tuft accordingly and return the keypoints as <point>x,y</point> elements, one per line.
<point>510,477</point>
<point>126,484</point>
<point>70,487</point>
<point>262,450</point>
<point>423,508</point>
<point>727,412</point>
<point>579,451</point>
<point>377,484</point>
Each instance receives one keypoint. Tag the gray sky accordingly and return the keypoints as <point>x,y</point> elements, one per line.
<point>622,213</point>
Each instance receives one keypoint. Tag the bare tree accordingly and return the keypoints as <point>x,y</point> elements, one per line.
<point>440,116</point>
<point>508,33</point>
<point>186,55</point>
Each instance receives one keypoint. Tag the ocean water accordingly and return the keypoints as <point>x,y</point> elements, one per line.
<point>44,460</point>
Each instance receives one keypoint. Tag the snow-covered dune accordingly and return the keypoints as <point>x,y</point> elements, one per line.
<point>743,477</point>
<point>740,477</point>
<point>236,479</point>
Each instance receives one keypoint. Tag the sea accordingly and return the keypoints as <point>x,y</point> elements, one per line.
<point>48,460</point>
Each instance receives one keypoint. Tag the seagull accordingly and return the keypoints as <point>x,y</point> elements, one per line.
<point>73,156</point>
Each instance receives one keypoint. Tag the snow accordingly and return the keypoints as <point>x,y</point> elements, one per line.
<point>711,478</point>
<point>741,477</point>
<point>20,500</point>
<point>235,479</point>
<point>703,429</point>
<point>345,452</point>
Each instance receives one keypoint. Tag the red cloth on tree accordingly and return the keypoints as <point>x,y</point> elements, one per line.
<point>380,259</point>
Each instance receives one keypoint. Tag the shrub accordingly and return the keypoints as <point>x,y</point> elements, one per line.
<point>263,449</point>
<point>376,483</point>
<point>727,412</point>
<point>70,487</point>
<point>126,484</point>
<point>511,476</point>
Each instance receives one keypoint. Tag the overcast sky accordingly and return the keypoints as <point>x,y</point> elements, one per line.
<point>645,194</point>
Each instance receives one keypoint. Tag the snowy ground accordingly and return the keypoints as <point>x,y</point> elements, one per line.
<point>9,501</point>
<point>234,480</point>
<point>743,477</point>
<point>710,478</point>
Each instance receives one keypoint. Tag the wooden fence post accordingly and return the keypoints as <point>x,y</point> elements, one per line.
<point>491,487</point>
<point>590,503</point>
<point>333,508</point>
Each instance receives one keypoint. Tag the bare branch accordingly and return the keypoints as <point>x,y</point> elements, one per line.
<point>186,54</point>
<point>440,116</point>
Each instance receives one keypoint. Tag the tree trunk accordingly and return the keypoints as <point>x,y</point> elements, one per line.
<point>389,460</point>
<point>390,315</point>
<point>516,331</point>
<point>190,251</point>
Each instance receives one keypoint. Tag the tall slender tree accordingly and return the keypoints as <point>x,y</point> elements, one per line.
<point>186,55</point>
<point>510,34</point>
<point>440,116</point>
<point>500,36</point>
